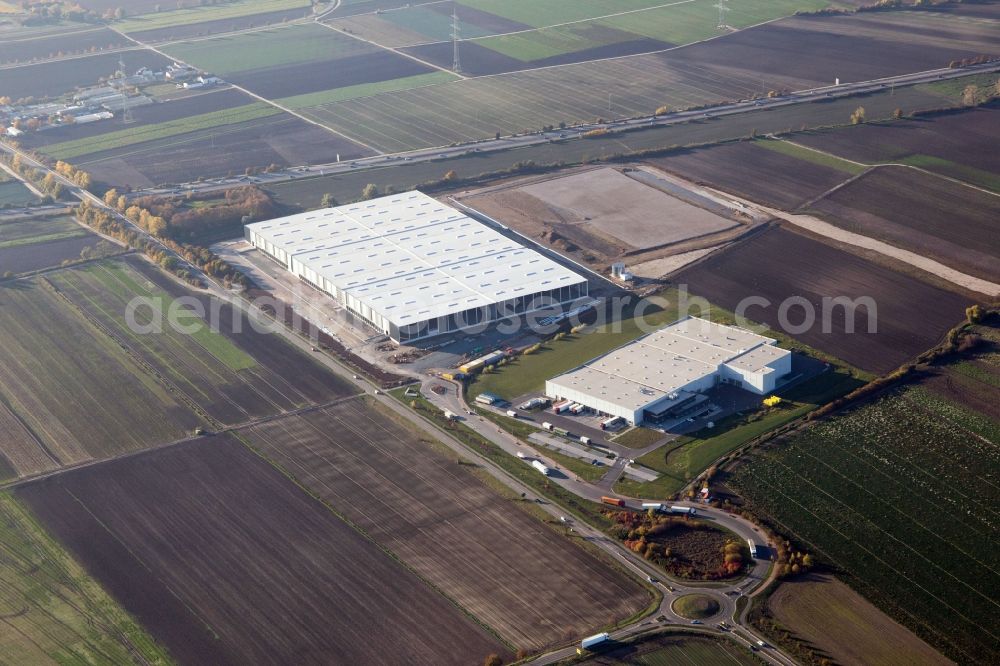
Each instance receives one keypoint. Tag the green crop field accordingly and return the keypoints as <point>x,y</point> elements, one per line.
<point>14,193</point>
<point>228,10</point>
<point>53,612</point>
<point>555,12</point>
<point>682,23</point>
<point>901,495</point>
<point>67,150</point>
<point>548,42</point>
<point>31,230</point>
<point>266,49</point>
<point>676,23</point>
<point>814,156</point>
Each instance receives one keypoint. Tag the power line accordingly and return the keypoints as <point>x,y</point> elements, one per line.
<point>723,7</point>
<point>456,66</point>
<point>126,109</point>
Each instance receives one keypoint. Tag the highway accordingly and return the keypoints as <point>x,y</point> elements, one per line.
<point>577,132</point>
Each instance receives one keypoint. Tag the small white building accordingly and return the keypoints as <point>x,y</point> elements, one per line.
<point>665,373</point>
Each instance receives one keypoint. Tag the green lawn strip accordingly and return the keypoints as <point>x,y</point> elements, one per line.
<point>46,238</point>
<point>679,464</point>
<point>365,90</point>
<point>69,618</point>
<point>528,373</point>
<point>587,511</point>
<point>953,89</point>
<point>227,10</point>
<point>638,437</point>
<point>66,150</point>
<point>279,46</point>
<point>685,458</point>
<point>811,156</point>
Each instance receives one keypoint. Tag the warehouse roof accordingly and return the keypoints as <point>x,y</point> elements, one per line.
<point>659,365</point>
<point>411,258</point>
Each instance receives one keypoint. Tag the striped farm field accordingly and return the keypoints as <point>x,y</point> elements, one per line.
<point>232,373</point>
<point>793,53</point>
<point>206,13</point>
<point>901,495</point>
<point>69,392</point>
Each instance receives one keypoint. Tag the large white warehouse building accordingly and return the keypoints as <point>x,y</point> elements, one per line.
<point>664,373</point>
<point>413,267</point>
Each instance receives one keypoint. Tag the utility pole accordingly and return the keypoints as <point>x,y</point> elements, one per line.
<point>456,65</point>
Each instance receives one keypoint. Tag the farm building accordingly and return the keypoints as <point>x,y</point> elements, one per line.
<point>413,267</point>
<point>664,374</point>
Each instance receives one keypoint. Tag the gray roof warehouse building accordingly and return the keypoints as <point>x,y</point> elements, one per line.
<point>666,372</point>
<point>413,267</point>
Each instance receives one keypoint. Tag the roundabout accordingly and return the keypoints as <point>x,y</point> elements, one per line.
<point>695,606</point>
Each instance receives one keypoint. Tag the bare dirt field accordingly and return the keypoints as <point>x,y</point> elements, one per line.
<point>226,561</point>
<point>948,143</point>
<point>527,582</point>
<point>233,375</point>
<point>312,76</point>
<point>597,215</point>
<point>75,393</point>
<point>57,78</point>
<point>755,173</point>
<point>840,623</point>
<point>958,386</point>
<point>67,43</point>
<point>779,264</point>
<point>805,51</point>
<point>934,217</point>
<point>36,256</point>
<point>280,139</point>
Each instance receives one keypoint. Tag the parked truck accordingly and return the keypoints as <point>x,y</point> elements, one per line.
<point>593,642</point>
<point>655,506</point>
<point>561,406</point>
<point>613,501</point>
<point>541,467</point>
<point>689,510</point>
<point>611,423</point>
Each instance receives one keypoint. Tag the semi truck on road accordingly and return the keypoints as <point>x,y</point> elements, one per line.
<point>689,510</point>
